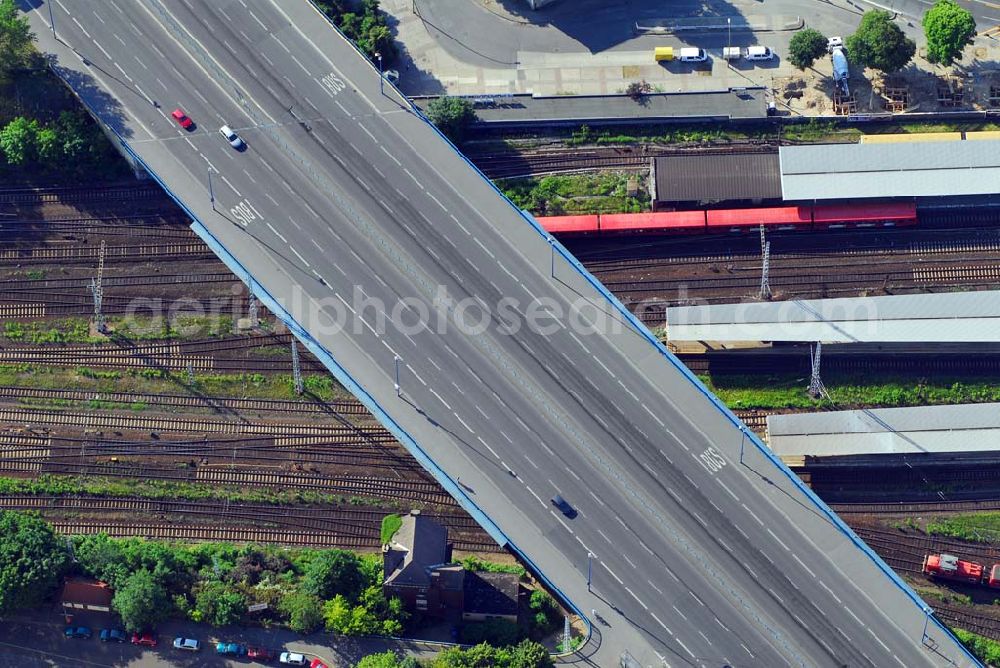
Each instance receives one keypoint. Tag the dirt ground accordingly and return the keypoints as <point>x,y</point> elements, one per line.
<point>972,84</point>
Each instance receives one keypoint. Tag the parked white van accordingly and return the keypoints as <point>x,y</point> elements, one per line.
<point>759,53</point>
<point>693,55</point>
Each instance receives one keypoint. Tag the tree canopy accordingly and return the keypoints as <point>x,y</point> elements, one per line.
<point>452,115</point>
<point>806,47</point>
<point>948,28</point>
<point>387,660</point>
<point>141,601</point>
<point>880,44</point>
<point>16,39</point>
<point>334,572</point>
<point>32,561</point>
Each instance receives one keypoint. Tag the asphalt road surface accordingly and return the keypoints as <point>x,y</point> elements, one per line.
<point>346,205</point>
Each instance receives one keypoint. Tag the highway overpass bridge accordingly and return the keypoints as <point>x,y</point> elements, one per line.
<point>348,208</point>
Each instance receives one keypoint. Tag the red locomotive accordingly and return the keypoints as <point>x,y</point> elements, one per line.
<point>950,567</point>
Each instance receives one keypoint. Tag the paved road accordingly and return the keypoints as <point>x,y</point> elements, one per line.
<point>345,204</point>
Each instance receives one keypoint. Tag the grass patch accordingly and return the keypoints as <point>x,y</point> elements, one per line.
<point>77,330</point>
<point>66,330</point>
<point>390,525</point>
<point>603,192</point>
<point>848,390</point>
<point>472,563</point>
<point>975,527</point>
<point>155,381</point>
<point>943,596</point>
<point>94,485</point>
<point>986,650</point>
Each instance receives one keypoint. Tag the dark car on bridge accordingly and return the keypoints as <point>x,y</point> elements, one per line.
<point>563,506</point>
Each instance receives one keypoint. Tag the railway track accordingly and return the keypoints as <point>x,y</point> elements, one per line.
<point>156,425</point>
<point>959,617</point>
<point>351,407</point>
<point>333,519</point>
<point>910,508</point>
<point>77,194</point>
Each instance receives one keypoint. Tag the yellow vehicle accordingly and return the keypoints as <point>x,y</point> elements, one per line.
<point>663,53</point>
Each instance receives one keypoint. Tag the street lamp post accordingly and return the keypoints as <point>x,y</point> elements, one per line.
<point>381,78</point>
<point>729,39</point>
<point>590,568</point>
<point>52,19</point>
<point>211,192</point>
<point>396,383</point>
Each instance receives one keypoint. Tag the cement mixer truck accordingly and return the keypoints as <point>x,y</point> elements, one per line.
<point>835,45</point>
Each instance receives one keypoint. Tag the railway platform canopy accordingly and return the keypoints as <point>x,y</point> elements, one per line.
<point>886,431</point>
<point>961,317</point>
<point>880,170</point>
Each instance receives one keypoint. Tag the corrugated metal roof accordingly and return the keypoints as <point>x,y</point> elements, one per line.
<point>960,428</point>
<point>832,171</point>
<point>909,138</point>
<point>944,317</point>
<point>718,178</point>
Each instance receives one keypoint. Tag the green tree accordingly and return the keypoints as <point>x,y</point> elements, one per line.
<point>75,135</point>
<point>529,654</point>
<point>880,44</point>
<point>16,39</point>
<point>101,557</point>
<point>387,660</point>
<point>546,612</point>
<point>141,601</point>
<point>32,561</point>
<point>806,47</point>
<point>337,614</point>
<point>334,572</point>
<point>452,115</point>
<point>219,605</point>
<point>19,140</point>
<point>948,28</point>
<point>304,612</point>
<point>49,147</point>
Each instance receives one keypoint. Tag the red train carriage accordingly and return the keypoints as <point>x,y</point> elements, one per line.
<point>872,214</point>
<point>750,220</point>
<point>569,225</point>
<point>663,222</point>
<point>950,567</point>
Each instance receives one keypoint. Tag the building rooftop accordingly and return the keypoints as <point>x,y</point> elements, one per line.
<point>418,545</point>
<point>717,178</point>
<point>880,170</point>
<point>85,591</point>
<point>491,593</point>
<point>956,317</point>
<point>924,429</point>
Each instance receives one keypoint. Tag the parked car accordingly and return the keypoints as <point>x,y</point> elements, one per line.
<point>260,653</point>
<point>233,138</point>
<point>116,635</point>
<point>77,632</point>
<point>292,659</point>
<point>316,663</point>
<point>147,639</point>
<point>231,649</point>
<point>693,55</point>
<point>563,506</point>
<point>759,53</point>
<point>182,119</point>
<point>189,644</point>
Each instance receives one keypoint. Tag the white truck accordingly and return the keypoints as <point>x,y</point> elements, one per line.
<point>841,72</point>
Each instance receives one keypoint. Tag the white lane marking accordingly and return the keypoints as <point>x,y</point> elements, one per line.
<point>726,487</point>
<point>124,73</point>
<point>438,202</point>
<point>637,599</point>
<point>440,399</point>
<point>416,375</point>
<point>488,251</point>
<point>650,583</point>
<point>492,451</point>
<point>596,498</point>
<point>752,514</point>
<point>162,55</point>
<point>394,158</point>
<point>298,255</point>
<point>746,649</point>
<point>482,412</point>
<point>604,536</point>
<point>254,17</point>
<point>780,542</point>
<point>630,562</point>
<point>690,653</point>
<point>695,597</point>
<point>801,563</point>
<point>280,43</point>
<point>80,26</point>
<point>318,247</point>
<point>459,417</point>
<point>122,43</point>
<point>367,132</point>
<point>249,176</point>
<point>611,572</point>
<point>610,372</point>
<point>646,408</point>
<point>879,640</point>
<point>829,591</point>
<point>459,223</point>
<point>410,174</point>
<point>98,45</point>
<point>277,233</point>
<point>531,461</point>
<point>851,613</point>
<point>665,628</point>
<point>139,60</point>
<point>536,496</point>
<point>343,109</point>
<point>229,183</point>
